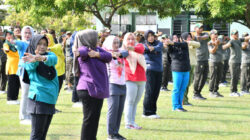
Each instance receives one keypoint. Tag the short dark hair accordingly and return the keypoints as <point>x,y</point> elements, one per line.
<point>17,27</point>
<point>52,31</point>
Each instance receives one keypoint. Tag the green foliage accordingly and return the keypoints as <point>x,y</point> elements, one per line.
<point>221,10</point>
<point>69,21</point>
<point>59,8</point>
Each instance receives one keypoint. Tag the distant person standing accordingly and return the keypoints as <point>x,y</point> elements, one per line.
<point>69,80</point>
<point>166,74</point>
<point>235,60</point>
<point>226,56</point>
<point>180,70</point>
<point>11,68</point>
<point>153,57</point>
<point>245,66</point>
<point>201,69</point>
<point>215,65</point>
<point>192,46</point>
<point>3,59</point>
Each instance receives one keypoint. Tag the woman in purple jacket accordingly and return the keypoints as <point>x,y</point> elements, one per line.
<point>93,84</point>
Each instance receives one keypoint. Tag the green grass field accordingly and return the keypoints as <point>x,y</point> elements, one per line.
<point>225,118</point>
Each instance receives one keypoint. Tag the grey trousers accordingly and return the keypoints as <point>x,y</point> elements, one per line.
<point>23,114</point>
<point>215,69</point>
<point>69,74</point>
<point>245,77</point>
<point>114,115</point>
<point>134,91</point>
<point>235,75</point>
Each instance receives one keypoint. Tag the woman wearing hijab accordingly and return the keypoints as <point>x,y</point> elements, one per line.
<point>58,50</point>
<point>43,89</point>
<point>180,71</point>
<point>93,83</point>
<point>153,56</point>
<point>117,86</point>
<point>11,68</point>
<point>135,67</point>
<point>27,33</point>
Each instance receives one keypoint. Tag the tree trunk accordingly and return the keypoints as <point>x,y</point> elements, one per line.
<point>247,15</point>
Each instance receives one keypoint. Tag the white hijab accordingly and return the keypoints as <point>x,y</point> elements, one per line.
<point>133,56</point>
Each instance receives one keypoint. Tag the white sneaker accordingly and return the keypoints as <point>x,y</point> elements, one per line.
<point>77,105</point>
<point>234,94</point>
<point>222,85</point>
<point>2,92</point>
<point>25,122</point>
<point>155,116</point>
<point>13,102</point>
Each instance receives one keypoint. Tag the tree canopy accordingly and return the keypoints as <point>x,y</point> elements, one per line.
<point>58,8</point>
<point>69,21</point>
<point>221,10</point>
<point>210,10</point>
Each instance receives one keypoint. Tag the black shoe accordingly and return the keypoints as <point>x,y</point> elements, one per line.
<point>213,94</point>
<point>180,110</point>
<point>121,137</point>
<point>199,97</point>
<point>113,137</point>
<point>164,89</point>
<point>58,111</point>
<point>218,94</point>
<point>187,104</point>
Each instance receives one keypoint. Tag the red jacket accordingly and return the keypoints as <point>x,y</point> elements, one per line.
<point>140,74</point>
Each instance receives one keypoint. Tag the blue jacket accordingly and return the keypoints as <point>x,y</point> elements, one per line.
<point>43,89</point>
<point>154,58</point>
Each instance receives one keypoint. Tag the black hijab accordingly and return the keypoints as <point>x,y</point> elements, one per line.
<point>45,71</point>
<point>146,38</point>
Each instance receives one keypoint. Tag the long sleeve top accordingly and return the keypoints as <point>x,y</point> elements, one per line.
<point>180,57</point>
<point>140,74</point>
<point>42,89</point>
<point>154,58</point>
<point>93,73</point>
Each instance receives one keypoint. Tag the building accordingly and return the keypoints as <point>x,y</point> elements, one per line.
<point>184,22</point>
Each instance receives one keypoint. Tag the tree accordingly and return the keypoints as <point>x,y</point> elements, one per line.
<point>221,10</point>
<point>58,8</point>
<point>69,21</point>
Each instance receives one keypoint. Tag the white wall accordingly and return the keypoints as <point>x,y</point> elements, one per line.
<point>241,28</point>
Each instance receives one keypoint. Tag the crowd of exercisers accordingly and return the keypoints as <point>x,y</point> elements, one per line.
<point>97,65</point>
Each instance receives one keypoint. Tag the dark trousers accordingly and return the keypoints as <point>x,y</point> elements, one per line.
<point>235,75</point>
<point>224,71</point>
<point>40,125</point>
<point>153,86</point>
<point>74,92</point>
<point>166,74</point>
<point>245,77</point>
<point>13,87</point>
<point>215,69</point>
<point>3,76</point>
<point>114,115</point>
<point>91,112</point>
<point>60,79</point>
<point>191,79</point>
<point>200,76</point>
